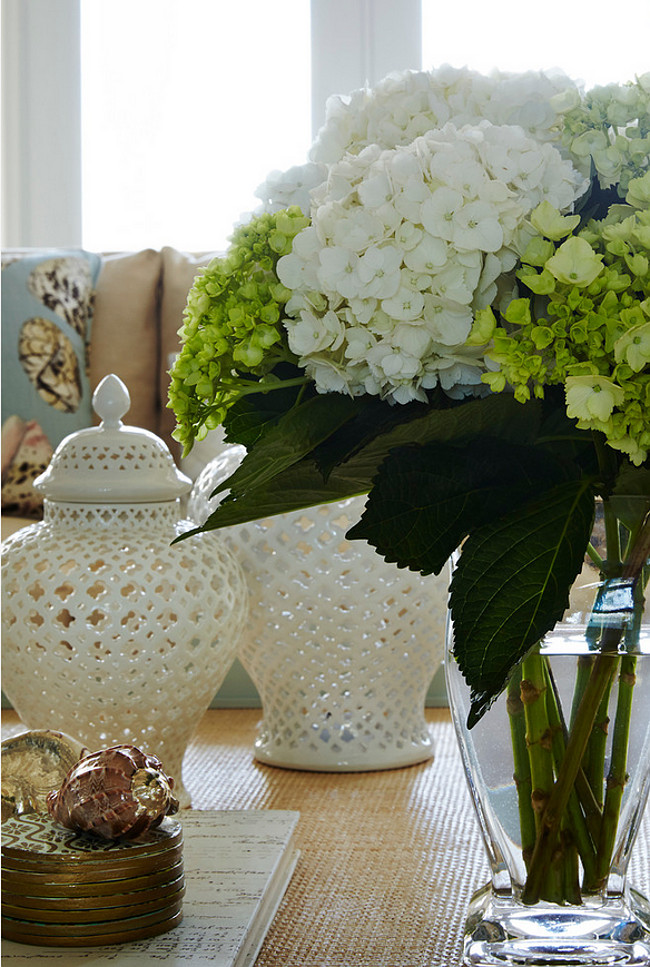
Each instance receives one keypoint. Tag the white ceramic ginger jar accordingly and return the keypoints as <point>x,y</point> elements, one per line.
<point>340,645</point>
<point>111,633</point>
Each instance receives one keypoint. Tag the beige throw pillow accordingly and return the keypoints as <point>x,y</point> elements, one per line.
<point>125,338</point>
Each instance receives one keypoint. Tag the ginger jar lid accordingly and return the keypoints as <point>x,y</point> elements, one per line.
<point>112,463</point>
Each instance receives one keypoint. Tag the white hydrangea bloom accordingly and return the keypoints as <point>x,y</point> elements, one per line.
<point>405,243</point>
<point>311,333</point>
<point>282,189</point>
<point>406,105</point>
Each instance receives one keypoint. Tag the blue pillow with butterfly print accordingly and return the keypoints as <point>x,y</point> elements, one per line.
<point>47,303</point>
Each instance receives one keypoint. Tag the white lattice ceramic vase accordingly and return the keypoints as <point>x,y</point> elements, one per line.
<point>109,633</point>
<point>340,645</point>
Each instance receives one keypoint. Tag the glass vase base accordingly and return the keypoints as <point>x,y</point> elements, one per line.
<point>500,931</point>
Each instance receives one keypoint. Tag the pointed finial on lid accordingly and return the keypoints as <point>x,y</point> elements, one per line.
<point>112,462</point>
<point>111,401</point>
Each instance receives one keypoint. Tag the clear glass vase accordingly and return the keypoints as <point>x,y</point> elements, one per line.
<point>559,773</point>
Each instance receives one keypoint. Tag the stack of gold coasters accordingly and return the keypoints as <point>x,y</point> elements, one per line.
<point>67,889</point>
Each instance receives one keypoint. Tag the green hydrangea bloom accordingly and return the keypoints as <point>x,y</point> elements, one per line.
<point>610,127</point>
<point>585,324</point>
<point>233,325</point>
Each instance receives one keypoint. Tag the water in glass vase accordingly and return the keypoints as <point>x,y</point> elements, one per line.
<point>559,892</point>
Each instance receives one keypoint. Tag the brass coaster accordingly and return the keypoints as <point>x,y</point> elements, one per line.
<point>11,932</point>
<point>92,928</point>
<point>41,885</point>
<point>75,916</point>
<point>142,862</point>
<point>68,902</point>
<point>81,872</point>
<point>66,889</point>
<point>36,839</point>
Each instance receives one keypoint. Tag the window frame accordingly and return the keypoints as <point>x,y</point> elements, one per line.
<point>353,42</point>
<point>41,130</point>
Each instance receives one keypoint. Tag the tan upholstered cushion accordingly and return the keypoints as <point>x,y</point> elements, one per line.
<point>12,524</point>
<point>179,269</point>
<point>125,338</point>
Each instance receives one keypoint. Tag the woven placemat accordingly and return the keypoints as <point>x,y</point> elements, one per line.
<point>388,861</point>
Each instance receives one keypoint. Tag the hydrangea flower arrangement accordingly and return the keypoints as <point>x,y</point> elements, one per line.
<point>447,307</point>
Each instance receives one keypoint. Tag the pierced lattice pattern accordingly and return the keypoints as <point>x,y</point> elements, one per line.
<point>112,635</point>
<point>102,456</point>
<point>70,514</point>
<point>341,645</point>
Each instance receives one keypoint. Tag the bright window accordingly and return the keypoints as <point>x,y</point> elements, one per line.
<point>181,116</point>
<point>590,40</point>
<point>187,105</point>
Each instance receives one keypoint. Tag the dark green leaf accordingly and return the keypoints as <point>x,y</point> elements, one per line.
<point>499,415</point>
<point>252,416</point>
<point>561,435</point>
<point>300,486</point>
<point>426,500</point>
<point>512,585</point>
<point>248,419</point>
<point>374,418</point>
<point>294,435</point>
<point>318,428</point>
<point>630,499</point>
<point>633,480</point>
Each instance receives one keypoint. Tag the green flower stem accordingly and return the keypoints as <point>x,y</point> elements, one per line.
<point>538,731</point>
<point>594,764</point>
<point>570,870</point>
<point>595,556</point>
<point>250,387</point>
<point>638,555</point>
<point>590,781</point>
<point>539,741</point>
<point>591,809</point>
<point>556,876</point>
<point>583,672</point>
<point>604,669</point>
<point>638,551</point>
<point>612,564</point>
<point>594,759</point>
<point>575,821</point>
<point>617,776</point>
<point>521,774</point>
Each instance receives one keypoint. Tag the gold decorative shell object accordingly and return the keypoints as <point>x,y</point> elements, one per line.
<point>117,793</point>
<point>48,357</point>
<point>65,286</point>
<point>33,764</point>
